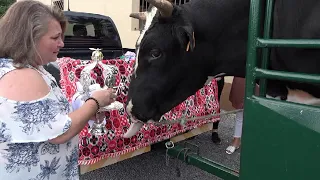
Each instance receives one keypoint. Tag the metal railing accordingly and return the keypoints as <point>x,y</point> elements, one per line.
<point>144,5</point>
<point>58,3</point>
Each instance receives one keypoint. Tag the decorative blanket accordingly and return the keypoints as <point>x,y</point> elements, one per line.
<point>93,149</point>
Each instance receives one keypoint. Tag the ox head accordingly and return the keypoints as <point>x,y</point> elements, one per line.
<point>165,73</point>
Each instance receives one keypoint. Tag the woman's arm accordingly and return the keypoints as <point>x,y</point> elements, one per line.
<point>79,118</point>
<point>28,85</point>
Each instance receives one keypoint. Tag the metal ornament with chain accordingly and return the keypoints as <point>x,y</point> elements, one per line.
<point>183,120</point>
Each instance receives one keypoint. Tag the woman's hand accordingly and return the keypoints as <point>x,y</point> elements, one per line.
<point>105,96</point>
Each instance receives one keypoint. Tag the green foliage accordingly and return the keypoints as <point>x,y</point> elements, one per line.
<point>4,5</point>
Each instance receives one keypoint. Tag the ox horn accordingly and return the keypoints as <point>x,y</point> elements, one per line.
<point>164,6</point>
<point>133,129</point>
<point>139,15</point>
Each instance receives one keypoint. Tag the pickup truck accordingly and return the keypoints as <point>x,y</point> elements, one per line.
<point>84,31</point>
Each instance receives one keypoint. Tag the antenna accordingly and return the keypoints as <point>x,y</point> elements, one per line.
<point>68,5</point>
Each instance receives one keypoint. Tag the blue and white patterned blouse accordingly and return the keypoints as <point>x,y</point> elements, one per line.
<point>26,127</point>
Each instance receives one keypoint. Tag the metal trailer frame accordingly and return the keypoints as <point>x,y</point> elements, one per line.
<point>281,140</point>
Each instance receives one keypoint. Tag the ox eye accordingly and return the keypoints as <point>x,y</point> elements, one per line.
<point>155,53</point>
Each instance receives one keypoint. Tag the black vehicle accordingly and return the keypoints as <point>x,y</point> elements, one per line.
<point>84,31</point>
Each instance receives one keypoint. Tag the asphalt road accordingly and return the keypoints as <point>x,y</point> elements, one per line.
<point>152,165</point>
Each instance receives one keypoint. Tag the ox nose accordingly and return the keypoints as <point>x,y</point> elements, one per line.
<point>135,126</point>
<point>129,107</point>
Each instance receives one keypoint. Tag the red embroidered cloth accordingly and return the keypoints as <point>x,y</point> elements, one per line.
<point>93,149</point>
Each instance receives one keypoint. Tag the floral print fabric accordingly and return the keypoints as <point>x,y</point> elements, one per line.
<point>26,127</point>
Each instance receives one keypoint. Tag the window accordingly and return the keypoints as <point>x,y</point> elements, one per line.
<point>145,5</point>
<point>58,3</point>
<point>85,31</point>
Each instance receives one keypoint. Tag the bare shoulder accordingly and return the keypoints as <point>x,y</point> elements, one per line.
<point>23,85</point>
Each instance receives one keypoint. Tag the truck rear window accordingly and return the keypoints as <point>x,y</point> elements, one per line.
<point>90,32</point>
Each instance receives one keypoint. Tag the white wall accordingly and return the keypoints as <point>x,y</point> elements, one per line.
<point>118,10</point>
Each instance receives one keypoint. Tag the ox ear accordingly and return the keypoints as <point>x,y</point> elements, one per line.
<point>186,37</point>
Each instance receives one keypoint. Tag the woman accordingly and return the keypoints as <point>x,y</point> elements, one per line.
<point>236,97</point>
<point>38,132</point>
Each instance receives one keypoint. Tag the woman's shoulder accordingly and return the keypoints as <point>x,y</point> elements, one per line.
<point>24,84</point>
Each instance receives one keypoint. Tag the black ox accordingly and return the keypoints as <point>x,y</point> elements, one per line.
<point>182,45</point>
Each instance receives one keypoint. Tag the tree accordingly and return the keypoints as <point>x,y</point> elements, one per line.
<point>4,5</point>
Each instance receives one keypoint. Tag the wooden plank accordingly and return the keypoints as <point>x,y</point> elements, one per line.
<point>109,161</point>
